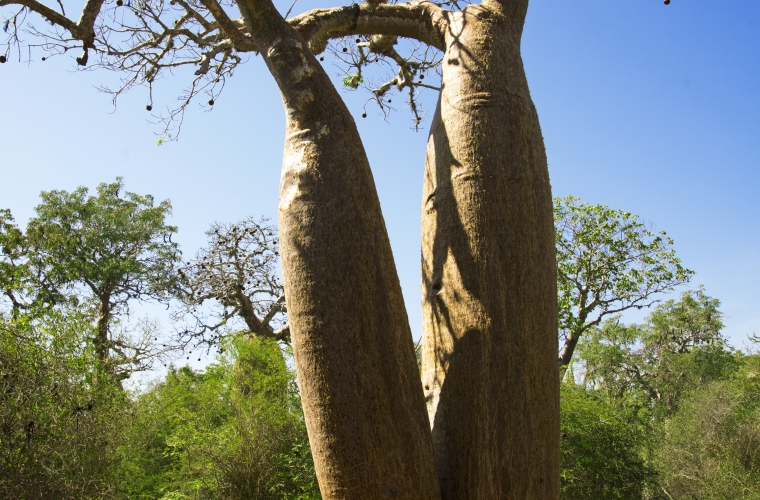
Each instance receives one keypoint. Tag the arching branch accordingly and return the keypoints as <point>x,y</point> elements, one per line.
<point>48,13</point>
<point>143,40</point>
<point>423,21</point>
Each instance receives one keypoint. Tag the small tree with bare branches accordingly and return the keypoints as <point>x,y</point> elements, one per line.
<point>233,280</point>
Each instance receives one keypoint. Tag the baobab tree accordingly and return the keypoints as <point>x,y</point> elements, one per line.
<point>484,422</point>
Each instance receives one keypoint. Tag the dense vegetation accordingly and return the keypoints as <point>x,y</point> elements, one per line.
<point>659,410</point>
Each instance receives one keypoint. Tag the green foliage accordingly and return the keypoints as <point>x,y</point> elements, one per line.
<point>710,449</point>
<point>652,366</point>
<point>18,289</point>
<point>675,396</point>
<point>601,449</point>
<point>233,432</point>
<point>96,253</point>
<point>162,139</point>
<point>58,434</point>
<point>67,427</point>
<point>353,80</point>
<point>607,261</point>
<point>110,246</point>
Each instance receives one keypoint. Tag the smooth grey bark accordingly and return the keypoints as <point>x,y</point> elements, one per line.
<point>489,274</point>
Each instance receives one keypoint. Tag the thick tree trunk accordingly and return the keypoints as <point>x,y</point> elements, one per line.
<point>353,348</point>
<point>490,373</point>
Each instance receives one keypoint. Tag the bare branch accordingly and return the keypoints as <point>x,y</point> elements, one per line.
<point>229,27</point>
<point>234,281</point>
<point>48,13</point>
<point>143,40</point>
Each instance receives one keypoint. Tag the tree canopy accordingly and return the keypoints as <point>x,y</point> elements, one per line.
<point>608,261</point>
<point>98,252</point>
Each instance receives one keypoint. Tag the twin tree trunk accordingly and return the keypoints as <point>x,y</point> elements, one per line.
<point>353,349</point>
<point>489,284</point>
<point>489,273</point>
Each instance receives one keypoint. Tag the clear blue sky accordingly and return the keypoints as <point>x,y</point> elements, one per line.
<point>649,108</point>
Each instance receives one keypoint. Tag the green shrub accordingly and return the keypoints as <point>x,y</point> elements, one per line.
<point>58,433</point>
<point>710,449</point>
<point>601,449</point>
<point>234,431</point>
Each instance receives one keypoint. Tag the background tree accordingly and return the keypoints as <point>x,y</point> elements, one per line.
<point>234,278</point>
<point>105,251</point>
<point>58,434</point>
<point>608,261</point>
<point>652,366</point>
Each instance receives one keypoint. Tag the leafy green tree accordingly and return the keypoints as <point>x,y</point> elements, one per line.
<point>58,434</point>
<point>601,449</point>
<point>653,365</point>
<point>235,431</point>
<point>103,251</point>
<point>607,261</point>
<point>710,448</point>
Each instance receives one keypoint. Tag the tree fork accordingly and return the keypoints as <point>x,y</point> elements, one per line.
<point>490,373</point>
